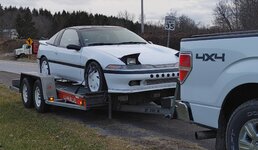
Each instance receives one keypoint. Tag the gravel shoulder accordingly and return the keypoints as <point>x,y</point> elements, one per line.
<point>7,77</point>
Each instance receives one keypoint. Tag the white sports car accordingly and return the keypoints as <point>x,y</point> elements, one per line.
<point>108,58</point>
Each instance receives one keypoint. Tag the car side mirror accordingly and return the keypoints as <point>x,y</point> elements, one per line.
<point>74,47</point>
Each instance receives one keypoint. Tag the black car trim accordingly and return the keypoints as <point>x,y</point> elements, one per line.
<point>140,71</point>
<point>119,71</point>
<point>66,64</point>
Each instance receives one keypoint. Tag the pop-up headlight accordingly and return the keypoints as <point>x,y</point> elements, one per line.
<point>131,59</point>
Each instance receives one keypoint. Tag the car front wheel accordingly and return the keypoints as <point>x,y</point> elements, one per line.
<point>94,77</point>
<point>44,66</point>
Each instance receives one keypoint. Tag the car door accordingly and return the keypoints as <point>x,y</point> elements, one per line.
<point>68,60</point>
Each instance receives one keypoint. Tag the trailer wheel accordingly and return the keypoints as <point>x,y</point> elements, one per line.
<point>39,101</point>
<point>242,129</point>
<point>26,93</point>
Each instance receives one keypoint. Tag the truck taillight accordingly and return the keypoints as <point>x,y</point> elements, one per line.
<point>185,66</point>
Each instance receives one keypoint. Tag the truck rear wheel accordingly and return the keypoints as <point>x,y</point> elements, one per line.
<point>26,93</point>
<point>39,101</point>
<point>242,128</point>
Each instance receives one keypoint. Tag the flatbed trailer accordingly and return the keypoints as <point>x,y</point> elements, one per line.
<point>41,91</point>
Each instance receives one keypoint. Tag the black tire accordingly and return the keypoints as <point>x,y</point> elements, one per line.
<point>221,133</point>
<point>26,93</point>
<point>244,114</point>
<point>102,84</point>
<point>42,61</point>
<point>22,55</point>
<point>38,99</point>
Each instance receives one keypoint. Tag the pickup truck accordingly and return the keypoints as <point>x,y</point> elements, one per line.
<point>23,51</point>
<point>219,87</point>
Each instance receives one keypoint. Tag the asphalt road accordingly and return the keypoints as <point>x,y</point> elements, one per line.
<point>137,127</point>
<point>18,67</point>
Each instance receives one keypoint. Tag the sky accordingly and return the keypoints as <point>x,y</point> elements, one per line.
<point>154,10</point>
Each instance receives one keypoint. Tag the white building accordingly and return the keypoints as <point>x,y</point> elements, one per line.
<point>10,33</point>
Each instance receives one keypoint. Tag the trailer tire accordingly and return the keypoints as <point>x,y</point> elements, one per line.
<point>242,128</point>
<point>26,92</point>
<point>38,98</point>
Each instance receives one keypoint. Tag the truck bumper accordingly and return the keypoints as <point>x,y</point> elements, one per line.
<point>183,110</point>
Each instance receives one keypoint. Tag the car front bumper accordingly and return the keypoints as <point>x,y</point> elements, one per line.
<point>119,82</point>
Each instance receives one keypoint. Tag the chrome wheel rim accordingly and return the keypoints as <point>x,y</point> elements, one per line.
<point>93,79</point>
<point>37,97</point>
<point>44,68</point>
<point>248,136</point>
<point>25,93</point>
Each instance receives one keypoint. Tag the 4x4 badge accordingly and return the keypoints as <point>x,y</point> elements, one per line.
<point>211,57</point>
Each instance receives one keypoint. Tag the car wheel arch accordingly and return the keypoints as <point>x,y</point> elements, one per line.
<point>234,100</point>
<point>231,102</point>
<point>41,57</point>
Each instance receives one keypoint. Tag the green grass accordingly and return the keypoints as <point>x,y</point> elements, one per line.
<point>22,128</point>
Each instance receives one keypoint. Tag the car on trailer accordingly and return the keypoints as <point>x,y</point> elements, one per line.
<point>112,59</point>
<point>108,58</point>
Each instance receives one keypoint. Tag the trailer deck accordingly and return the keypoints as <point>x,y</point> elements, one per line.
<point>46,90</point>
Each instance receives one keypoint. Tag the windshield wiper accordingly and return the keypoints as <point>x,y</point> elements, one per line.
<point>97,44</point>
<point>122,43</point>
<point>131,43</point>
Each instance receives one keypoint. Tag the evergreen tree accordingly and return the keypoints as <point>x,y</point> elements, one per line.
<point>1,10</point>
<point>25,26</point>
<point>35,12</point>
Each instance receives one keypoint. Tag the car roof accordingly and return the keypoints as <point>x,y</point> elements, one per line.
<point>92,27</point>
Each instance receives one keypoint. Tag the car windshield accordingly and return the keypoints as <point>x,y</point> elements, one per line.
<point>110,36</point>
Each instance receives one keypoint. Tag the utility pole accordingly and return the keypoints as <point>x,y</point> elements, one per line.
<point>142,16</point>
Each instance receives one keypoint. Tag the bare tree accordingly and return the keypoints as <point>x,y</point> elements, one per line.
<point>224,16</point>
<point>236,14</point>
<point>126,15</point>
<point>248,10</point>
<point>187,24</point>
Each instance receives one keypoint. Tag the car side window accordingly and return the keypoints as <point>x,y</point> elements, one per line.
<point>52,39</point>
<point>58,37</point>
<point>70,36</point>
